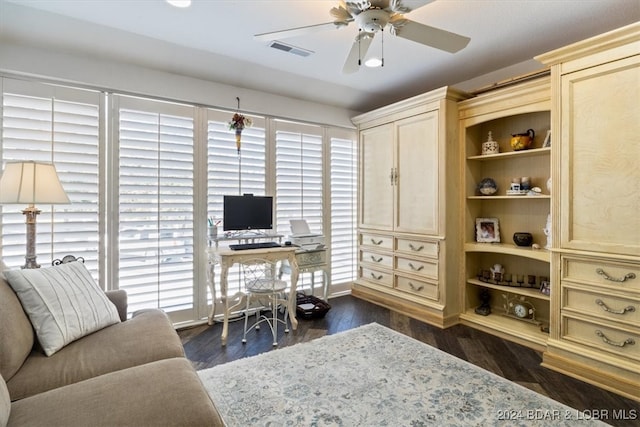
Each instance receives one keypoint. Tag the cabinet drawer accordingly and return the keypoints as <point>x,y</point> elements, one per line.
<point>422,268</point>
<point>418,247</point>
<point>377,241</point>
<point>622,342</point>
<point>418,287</point>
<point>311,258</point>
<point>602,305</point>
<point>376,258</point>
<point>592,271</point>
<point>376,276</point>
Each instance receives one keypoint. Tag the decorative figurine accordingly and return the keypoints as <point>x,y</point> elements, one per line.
<point>496,273</point>
<point>547,232</point>
<point>484,309</point>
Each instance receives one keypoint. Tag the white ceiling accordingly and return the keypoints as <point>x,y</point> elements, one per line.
<point>213,40</point>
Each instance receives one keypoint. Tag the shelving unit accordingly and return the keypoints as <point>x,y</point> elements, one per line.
<point>505,112</point>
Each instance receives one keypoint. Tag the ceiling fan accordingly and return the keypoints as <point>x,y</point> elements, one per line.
<point>371,17</point>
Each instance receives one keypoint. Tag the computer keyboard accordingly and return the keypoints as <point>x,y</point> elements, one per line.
<point>259,245</point>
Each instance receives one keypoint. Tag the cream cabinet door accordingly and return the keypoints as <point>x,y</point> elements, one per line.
<point>417,155</point>
<point>376,177</point>
<point>600,170</point>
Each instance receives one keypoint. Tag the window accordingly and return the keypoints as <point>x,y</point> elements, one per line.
<point>155,204</point>
<point>143,179</point>
<point>298,178</point>
<point>60,125</point>
<point>343,183</point>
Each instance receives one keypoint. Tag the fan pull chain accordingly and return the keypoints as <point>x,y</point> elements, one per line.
<point>359,52</point>
<point>382,49</point>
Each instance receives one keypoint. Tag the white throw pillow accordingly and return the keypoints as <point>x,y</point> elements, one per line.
<point>63,302</point>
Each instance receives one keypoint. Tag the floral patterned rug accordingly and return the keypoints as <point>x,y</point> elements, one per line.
<point>373,376</point>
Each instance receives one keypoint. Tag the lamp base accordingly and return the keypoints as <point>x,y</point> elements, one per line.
<point>31,214</point>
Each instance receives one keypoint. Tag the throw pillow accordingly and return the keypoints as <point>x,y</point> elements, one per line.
<point>5,403</point>
<point>63,302</point>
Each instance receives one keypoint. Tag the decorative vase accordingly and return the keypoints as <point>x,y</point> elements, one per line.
<point>522,141</point>
<point>522,239</point>
<point>490,146</point>
<point>238,139</point>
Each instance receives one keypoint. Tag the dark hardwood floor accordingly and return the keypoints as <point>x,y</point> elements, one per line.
<point>511,361</point>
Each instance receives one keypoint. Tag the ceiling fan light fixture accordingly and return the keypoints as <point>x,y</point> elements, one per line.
<point>373,62</point>
<point>179,3</point>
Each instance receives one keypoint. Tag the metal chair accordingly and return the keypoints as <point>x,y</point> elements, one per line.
<point>262,283</point>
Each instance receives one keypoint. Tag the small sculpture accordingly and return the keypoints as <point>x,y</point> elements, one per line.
<point>547,232</point>
<point>484,309</point>
<point>496,272</point>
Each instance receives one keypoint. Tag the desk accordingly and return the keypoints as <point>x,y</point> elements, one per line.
<point>226,258</point>
<point>310,261</point>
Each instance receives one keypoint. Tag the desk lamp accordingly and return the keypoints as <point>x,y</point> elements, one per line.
<point>31,182</point>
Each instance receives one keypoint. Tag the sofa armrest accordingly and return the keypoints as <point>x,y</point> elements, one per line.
<point>119,299</point>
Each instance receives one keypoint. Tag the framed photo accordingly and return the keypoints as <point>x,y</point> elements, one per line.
<point>545,287</point>
<point>547,140</point>
<point>487,230</point>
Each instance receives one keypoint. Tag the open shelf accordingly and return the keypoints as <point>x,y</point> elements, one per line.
<point>505,197</point>
<point>511,154</point>
<point>509,249</point>
<point>516,290</point>
<point>519,331</point>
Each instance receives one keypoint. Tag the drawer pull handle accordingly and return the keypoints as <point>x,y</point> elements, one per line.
<point>376,277</point>
<point>414,268</point>
<point>413,248</point>
<point>374,259</point>
<point>417,289</point>
<point>626,277</point>
<point>378,243</point>
<point>602,305</point>
<point>629,341</point>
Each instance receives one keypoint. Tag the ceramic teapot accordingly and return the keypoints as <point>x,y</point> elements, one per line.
<point>522,141</point>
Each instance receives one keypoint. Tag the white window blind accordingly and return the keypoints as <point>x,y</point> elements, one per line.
<point>343,182</point>
<point>155,199</point>
<point>60,125</point>
<point>230,174</point>
<point>298,175</point>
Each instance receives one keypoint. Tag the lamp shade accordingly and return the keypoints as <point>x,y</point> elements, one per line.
<point>31,182</point>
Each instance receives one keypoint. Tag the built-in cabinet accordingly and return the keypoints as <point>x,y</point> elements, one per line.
<point>595,333</point>
<point>409,181</point>
<point>510,304</point>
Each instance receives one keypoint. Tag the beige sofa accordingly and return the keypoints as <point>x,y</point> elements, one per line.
<point>130,373</point>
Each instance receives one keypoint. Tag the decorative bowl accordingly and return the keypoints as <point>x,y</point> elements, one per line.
<point>487,187</point>
<point>522,239</point>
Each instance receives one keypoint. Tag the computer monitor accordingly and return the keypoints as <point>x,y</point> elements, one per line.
<point>248,212</point>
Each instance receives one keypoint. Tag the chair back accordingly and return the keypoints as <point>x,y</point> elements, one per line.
<point>261,276</point>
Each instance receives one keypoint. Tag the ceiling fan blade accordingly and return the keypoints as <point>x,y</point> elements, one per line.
<point>299,31</point>
<point>358,52</point>
<point>430,36</point>
<point>406,6</point>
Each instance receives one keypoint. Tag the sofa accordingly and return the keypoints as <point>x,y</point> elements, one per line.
<point>130,373</point>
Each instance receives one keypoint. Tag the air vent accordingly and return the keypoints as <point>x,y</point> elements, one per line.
<point>291,49</point>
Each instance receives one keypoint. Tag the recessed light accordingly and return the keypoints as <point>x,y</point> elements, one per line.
<point>179,3</point>
<point>373,62</point>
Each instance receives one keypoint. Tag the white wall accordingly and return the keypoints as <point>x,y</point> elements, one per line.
<point>28,61</point>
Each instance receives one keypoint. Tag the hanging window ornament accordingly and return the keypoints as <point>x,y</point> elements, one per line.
<point>237,123</point>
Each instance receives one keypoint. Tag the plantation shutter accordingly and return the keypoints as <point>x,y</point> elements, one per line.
<point>155,205</point>
<point>61,125</point>
<point>298,175</point>
<point>228,174</point>
<point>343,188</point>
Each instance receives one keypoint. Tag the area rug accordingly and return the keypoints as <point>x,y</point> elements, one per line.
<point>373,376</point>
